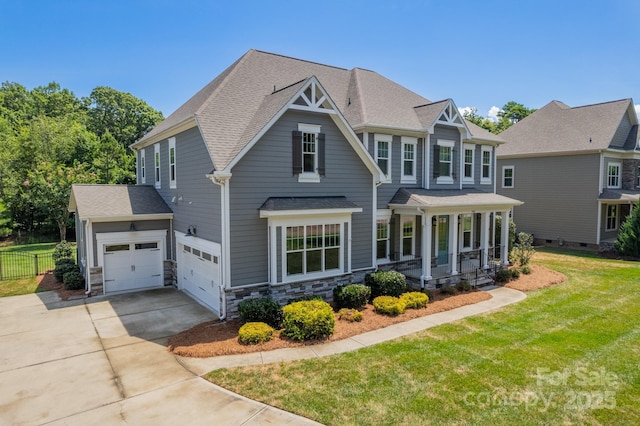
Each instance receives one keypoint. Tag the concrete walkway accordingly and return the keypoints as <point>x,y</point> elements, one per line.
<point>501,296</point>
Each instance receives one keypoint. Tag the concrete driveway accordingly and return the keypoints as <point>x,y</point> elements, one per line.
<point>104,361</point>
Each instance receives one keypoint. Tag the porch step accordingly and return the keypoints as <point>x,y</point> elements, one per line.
<point>483,281</point>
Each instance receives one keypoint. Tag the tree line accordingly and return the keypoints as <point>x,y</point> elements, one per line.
<point>511,113</point>
<point>51,139</point>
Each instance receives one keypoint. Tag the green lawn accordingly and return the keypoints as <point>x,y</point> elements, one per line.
<point>19,286</point>
<point>565,355</point>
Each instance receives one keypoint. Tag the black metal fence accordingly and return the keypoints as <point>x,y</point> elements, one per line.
<point>14,265</point>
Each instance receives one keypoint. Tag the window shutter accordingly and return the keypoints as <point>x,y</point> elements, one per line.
<point>436,161</point>
<point>321,170</point>
<point>297,152</point>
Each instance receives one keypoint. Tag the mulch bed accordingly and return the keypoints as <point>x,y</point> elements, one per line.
<point>48,282</point>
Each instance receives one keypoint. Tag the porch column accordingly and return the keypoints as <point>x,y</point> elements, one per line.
<point>426,247</point>
<point>484,239</point>
<point>454,244</point>
<point>504,238</point>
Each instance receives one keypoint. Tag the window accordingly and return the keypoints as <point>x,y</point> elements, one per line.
<point>443,161</point>
<point>172,162</point>
<point>638,177</point>
<point>383,153</point>
<point>469,153</point>
<point>312,248</point>
<point>507,176</point>
<point>156,156</point>
<point>486,165</point>
<point>612,217</point>
<point>308,153</point>
<point>408,227</point>
<point>382,237</point>
<point>143,172</point>
<point>409,151</point>
<point>613,175</point>
<point>467,231</point>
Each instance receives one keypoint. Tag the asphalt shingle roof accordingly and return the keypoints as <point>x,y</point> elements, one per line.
<point>418,197</point>
<point>94,201</point>
<point>307,203</point>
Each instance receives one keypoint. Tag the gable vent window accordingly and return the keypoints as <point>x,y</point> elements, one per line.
<point>308,153</point>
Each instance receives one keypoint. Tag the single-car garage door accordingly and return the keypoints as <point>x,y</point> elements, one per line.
<point>134,263</point>
<point>199,273</point>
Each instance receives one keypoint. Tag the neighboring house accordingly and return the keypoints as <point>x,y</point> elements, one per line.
<point>287,177</point>
<point>577,171</point>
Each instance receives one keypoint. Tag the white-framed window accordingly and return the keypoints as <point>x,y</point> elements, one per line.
<point>310,149</point>
<point>445,161</point>
<point>613,175</point>
<point>409,156</point>
<point>143,170</point>
<point>408,236</point>
<point>156,162</point>
<point>313,249</point>
<point>507,176</point>
<point>469,154</point>
<point>172,163</point>
<point>487,160</point>
<point>383,235</point>
<point>383,153</point>
<point>467,232</point>
<point>612,217</point>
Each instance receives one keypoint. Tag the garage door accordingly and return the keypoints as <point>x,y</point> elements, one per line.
<point>199,274</point>
<point>132,266</point>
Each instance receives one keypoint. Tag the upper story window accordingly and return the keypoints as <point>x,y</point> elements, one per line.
<point>487,160</point>
<point>613,175</point>
<point>156,160</point>
<point>409,152</point>
<point>507,177</point>
<point>469,154</point>
<point>443,161</point>
<point>143,170</point>
<point>383,153</point>
<point>172,162</point>
<point>308,153</point>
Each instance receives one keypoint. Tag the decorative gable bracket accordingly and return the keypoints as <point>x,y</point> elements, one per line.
<point>313,98</point>
<point>450,116</point>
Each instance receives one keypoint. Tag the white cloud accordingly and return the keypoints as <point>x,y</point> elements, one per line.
<point>493,113</point>
<point>466,110</point>
<point>637,106</point>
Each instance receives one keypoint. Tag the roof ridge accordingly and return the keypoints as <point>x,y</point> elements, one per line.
<point>433,103</point>
<point>298,59</point>
<point>603,103</point>
<point>291,85</point>
<point>363,111</point>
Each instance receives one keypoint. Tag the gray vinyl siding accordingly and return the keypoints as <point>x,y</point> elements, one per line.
<point>559,194</point>
<point>266,171</point>
<point>197,198</point>
<point>449,134</point>
<point>621,134</point>
<point>141,225</point>
<point>386,191</point>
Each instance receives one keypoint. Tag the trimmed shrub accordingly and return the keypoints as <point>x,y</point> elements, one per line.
<point>463,285</point>
<point>351,315</point>
<point>515,273</point>
<point>63,266</point>
<point>386,283</point>
<point>62,250</point>
<point>303,298</point>
<point>262,309</point>
<point>253,333</point>
<point>526,269</point>
<point>306,320</point>
<point>503,276</point>
<point>414,300</point>
<point>353,296</point>
<point>388,305</point>
<point>73,279</point>
<point>448,290</point>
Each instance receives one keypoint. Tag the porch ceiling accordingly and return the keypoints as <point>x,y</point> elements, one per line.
<point>451,200</point>
<point>621,195</point>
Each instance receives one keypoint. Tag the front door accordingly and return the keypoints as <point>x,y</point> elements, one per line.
<point>443,240</point>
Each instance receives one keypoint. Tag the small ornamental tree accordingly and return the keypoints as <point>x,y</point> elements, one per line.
<point>523,250</point>
<point>628,241</point>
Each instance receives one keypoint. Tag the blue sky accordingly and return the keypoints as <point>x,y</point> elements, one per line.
<point>480,53</point>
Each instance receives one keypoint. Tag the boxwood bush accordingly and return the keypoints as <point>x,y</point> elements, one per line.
<point>261,309</point>
<point>63,265</point>
<point>414,300</point>
<point>253,333</point>
<point>352,296</point>
<point>386,283</point>
<point>503,276</point>
<point>73,279</point>
<point>388,305</point>
<point>306,320</point>
<point>62,250</point>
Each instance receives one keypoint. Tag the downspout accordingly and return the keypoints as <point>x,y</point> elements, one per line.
<point>374,230</point>
<point>87,270</point>
<point>222,180</point>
